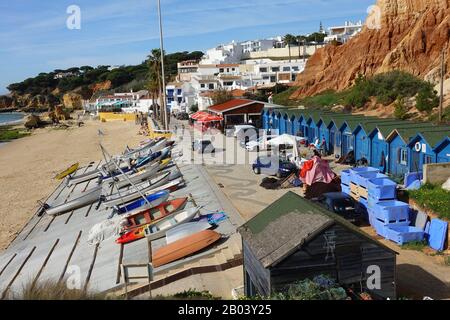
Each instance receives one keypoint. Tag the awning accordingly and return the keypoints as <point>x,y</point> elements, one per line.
<point>209,118</point>
<point>199,114</point>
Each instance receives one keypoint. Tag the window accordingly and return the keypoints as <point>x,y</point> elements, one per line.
<point>286,68</point>
<point>202,85</point>
<point>221,70</point>
<point>228,83</point>
<point>233,69</point>
<point>403,156</point>
<point>428,159</point>
<point>275,69</point>
<point>295,68</point>
<point>262,69</point>
<point>211,86</point>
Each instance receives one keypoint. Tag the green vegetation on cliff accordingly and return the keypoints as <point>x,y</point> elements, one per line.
<point>129,77</point>
<point>385,87</point>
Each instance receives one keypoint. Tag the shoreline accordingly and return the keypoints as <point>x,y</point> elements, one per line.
<point>29,164</point>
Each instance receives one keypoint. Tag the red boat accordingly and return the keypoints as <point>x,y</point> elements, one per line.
<point>136,223</point>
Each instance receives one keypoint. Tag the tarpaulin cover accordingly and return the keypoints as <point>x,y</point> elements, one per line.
<point>317,171</point>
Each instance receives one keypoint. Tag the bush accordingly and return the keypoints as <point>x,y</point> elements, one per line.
<point>193,108</point>
<point>427,99</point>
<point>401,111</point>
<point>49,290</point>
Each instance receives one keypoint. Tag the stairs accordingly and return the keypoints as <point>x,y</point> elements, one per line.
<point>225,256</point>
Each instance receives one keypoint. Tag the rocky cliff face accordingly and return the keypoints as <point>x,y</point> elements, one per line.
<point>406,35</point>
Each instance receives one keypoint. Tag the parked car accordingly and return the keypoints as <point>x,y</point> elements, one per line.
<point>258,144</point>
<point>273,167</point>
<point>203,146</point>
<point>341,204</point>
<point>246,138</point>
<point>241,128</point>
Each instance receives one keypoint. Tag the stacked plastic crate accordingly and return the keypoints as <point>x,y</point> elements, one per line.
<point>358,187</point>
<point>390,217</point>
<point>345,181</point>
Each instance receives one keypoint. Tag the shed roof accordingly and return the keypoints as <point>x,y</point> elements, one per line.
<point>286,225</point>
<point>232,104</point>
<point>434,136</point>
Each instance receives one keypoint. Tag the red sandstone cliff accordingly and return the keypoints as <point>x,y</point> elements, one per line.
<point>411,37</point>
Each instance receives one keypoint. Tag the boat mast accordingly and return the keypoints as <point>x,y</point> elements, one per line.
<point>161,41</point>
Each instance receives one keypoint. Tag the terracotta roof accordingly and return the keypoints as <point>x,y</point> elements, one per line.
<point>227,65</point>
<point>232,104</point>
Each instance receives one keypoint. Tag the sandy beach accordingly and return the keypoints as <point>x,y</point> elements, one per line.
<point>28,165</point>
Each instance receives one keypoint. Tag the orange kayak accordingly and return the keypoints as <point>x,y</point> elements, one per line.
<point>185,247</point>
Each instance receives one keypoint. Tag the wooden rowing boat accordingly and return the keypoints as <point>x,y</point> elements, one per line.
<point>68,171</point>
<point>159,228</point>
<point>139,232</point>
<point>184,247</point>
<point>154,214</point>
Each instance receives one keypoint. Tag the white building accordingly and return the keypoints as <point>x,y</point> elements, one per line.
<point>228,53</point>
<point>344,33</point>
<point>266,71</point>
<point>258,45</point>
<point>128,102</point>
<point>186,69</point>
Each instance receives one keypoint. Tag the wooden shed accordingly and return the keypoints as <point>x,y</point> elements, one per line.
<point>239,111</point>
<point>294,239</point>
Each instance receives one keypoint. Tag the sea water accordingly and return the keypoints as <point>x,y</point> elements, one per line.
<point>11,118</point>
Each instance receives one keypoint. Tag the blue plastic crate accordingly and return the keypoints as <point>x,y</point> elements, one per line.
<point>363,202</point>
<point>345,189</point>
<point>391,211</point>
<point>437,234</point>
<point>404,234</point>
<point>382,188</point>
<point>368,172</point>
<point>345,177</point>
<point>382,229</point>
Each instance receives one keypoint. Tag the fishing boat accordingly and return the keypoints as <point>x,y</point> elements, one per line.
<point>185,230</point>
<point>151,215</point>
<point>110,170</point>
<point>135,191</point>
<point>73,168</point>
<point>152,200</point>
<point>88,198</point>
<point>184,247</point>
<point>170,186</point>
<point>121,181</point>
<point>143,151</point>
<point>158,227</point>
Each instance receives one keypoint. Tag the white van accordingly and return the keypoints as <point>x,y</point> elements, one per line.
<point>241,127</point>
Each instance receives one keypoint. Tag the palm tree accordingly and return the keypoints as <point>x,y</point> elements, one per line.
<point>155,83</point>
<point>289,39</point>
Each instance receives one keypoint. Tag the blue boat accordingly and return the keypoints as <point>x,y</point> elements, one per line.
<point>154,199</point>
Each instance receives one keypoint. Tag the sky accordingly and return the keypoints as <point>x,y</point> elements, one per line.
<point>35,38</point>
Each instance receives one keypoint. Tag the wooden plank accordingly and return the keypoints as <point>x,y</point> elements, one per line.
<point>5,291</point>
<point>8,263</point>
